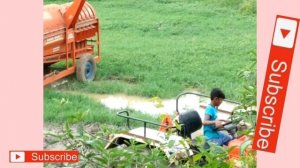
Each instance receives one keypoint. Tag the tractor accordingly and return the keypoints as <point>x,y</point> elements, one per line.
<point>181,133</point>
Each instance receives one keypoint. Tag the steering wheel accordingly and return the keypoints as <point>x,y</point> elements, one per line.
<point>230,124</point>
<point>227,123</point>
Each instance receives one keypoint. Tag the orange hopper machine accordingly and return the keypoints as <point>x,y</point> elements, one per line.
<point>71,35</point>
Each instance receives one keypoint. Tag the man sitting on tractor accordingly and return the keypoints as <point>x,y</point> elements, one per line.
<point>211,122</point>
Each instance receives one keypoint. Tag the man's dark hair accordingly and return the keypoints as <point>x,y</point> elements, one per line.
<point>216,92</point>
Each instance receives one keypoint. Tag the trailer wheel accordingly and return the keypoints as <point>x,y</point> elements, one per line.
<point>47,68</point>
<point>86,68</point>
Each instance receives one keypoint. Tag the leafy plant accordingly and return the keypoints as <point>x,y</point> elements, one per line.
<point>132,154</point>
<point>247,109</point>
<point>93,153</point>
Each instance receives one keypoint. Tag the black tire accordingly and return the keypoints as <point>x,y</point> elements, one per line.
<point>86,68</point>
<point>47,68</point>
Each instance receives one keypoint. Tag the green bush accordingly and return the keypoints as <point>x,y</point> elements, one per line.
<point>93,153</point>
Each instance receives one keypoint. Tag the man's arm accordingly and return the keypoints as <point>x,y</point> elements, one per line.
<point>217,123</point>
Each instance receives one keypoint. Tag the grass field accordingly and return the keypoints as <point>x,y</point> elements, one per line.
<point>61,107</point>
<point>162,47</point>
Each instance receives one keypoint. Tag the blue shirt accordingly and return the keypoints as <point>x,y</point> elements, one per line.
<point>209,130</point>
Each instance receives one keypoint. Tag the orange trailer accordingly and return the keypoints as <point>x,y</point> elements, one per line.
<point>71,35</point>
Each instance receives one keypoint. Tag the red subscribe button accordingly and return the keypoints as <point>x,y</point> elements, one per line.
<point>43,156</point>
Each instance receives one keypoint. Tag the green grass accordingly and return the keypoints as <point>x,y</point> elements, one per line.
<point>163,47</point>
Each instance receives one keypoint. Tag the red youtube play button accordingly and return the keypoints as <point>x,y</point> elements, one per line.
<point>17,157</point>
<point>285,32</point>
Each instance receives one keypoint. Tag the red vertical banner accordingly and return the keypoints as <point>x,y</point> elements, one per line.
<point>276,84</point>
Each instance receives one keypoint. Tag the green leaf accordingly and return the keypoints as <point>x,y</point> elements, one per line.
<point>178,126</point>
<point>171,143</point>
<point>244,146</point>
<point>197,157</point>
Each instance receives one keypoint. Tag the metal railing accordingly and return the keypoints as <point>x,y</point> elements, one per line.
<point>145,122</point>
